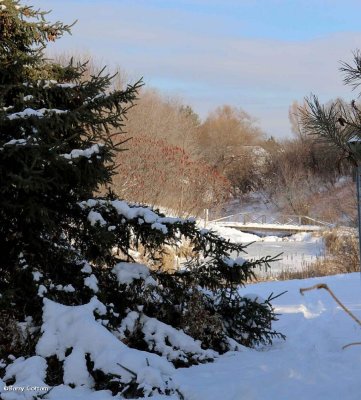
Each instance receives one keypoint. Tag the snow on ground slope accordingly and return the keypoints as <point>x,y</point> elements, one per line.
<point>234,235</point>
<point>310,364</point>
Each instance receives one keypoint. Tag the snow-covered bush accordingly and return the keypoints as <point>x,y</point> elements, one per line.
<point>88,316</point>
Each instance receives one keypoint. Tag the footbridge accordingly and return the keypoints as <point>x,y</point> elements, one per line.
<point>258,223</point>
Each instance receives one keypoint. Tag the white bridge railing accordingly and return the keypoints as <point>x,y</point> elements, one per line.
<point>263,219</point>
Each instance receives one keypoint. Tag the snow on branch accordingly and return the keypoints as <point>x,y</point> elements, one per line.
<point>171,343</point>
<point>30,112</point>
<point>76,153</point>
<point>94,217</point>
<point>49,84</point>
<point>126,273</point>
<point>16,142</point>
<point>60,332</point>
<point>123,209</point>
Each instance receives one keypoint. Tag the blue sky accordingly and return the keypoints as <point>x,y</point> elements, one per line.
<point>259,55</point>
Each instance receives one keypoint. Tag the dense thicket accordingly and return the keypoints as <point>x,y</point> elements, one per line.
<point>309,177</point>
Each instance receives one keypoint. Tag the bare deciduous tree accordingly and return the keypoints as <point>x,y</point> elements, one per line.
<point>163,118</point>
<point>225,140</point>
<point>224,133</point>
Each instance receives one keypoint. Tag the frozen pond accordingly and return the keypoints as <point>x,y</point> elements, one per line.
<point>298,251</point>
<point>296,255</point>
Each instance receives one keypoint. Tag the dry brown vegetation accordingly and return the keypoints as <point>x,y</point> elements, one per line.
<point>162,166</point>
<point>299,175</point>
<point>187,165</point>
<point>164,118</point>
<point>162,174</point>
<point>227,140</point>
<point>306,177</point>
<point>180,163</point>
<point>164,169</point>
<point>167,258</point>
<point>223,134</point>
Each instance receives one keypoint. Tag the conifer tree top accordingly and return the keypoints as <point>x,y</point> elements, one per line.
<point>24,35</point>
<point>55,143</point>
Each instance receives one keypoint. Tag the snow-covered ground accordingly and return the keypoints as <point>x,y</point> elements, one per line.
<point>310,364</point>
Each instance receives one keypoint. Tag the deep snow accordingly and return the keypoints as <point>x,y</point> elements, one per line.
<point>310,364</point>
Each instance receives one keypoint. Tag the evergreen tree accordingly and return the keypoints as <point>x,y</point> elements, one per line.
<point>61,240</point>
<point>55,144</point>
<point>335,123</point>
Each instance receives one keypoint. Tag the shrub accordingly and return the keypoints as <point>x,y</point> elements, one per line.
<point>161,174</point>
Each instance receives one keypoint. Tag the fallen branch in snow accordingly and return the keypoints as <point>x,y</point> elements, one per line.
<point>324,286</point>
<point>129,370</point>
<point>350,344</point>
